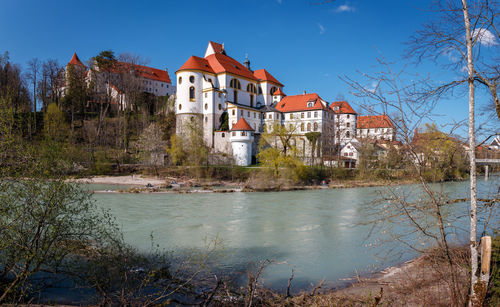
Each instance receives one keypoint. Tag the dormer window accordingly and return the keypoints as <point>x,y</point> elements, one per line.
<point>336,108</point>
<point>310,104</point>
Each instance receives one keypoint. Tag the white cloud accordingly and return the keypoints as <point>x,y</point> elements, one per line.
<point>346,7</point>
<point>485,37</point>
<point>321,28</point>
<point>451,54</point>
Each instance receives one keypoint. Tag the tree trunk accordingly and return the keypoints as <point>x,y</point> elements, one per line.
<point>472,156</point>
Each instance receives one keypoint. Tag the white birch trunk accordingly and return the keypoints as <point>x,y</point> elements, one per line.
<point>472,155</point>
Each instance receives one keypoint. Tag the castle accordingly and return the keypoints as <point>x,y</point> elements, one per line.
<point>217,88</point>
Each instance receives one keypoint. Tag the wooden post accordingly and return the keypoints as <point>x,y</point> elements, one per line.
<point>485,258</point>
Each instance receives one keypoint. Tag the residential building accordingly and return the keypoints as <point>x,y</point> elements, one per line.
<point>377,127</point>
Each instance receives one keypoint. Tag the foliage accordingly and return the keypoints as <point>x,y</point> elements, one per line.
<point>224,121</point>
<point>55,126</point>
<point>176,150</point>
<point>493,295</point>
<point>41,225</point>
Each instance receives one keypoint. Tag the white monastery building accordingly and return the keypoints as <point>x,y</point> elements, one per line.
<point>234,104</point>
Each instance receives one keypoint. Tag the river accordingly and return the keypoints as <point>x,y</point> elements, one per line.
<point>316,232</point>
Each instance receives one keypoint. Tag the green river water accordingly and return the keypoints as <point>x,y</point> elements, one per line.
<point>316,232</point>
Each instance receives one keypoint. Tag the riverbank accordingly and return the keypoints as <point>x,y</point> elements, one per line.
<point>423,281</point>
<point>150,184</point>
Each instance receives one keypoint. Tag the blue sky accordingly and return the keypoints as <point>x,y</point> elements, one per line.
<point>304,45</point>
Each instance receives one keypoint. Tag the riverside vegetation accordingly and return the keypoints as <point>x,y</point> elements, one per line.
<point>51,231</point>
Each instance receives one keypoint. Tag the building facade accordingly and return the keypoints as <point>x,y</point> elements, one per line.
<point>376,127</point>
<point>217,93</point>
<point>116,80</point>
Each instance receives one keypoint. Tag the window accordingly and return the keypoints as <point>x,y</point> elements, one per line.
<point>219,95</point>
<point>220,106</point>
<point>223,135</point>
<point>162,85</point>
<point>206,106</point>
<point>206,95</point>
<point>310,104</point>
<point>348,125</point>
<point>273,89</point>
<point>301,115</point>
<point>180,107</point>
<point>206,119</point>
<point>260,90</point>
<point>308,126</point>
<point>235,83</point>
<point>248,113</point>
<point>191,93</point>
<point>241,113</point>
<point>291,115</point>
<point>233,112</point>
<point>347,115</point>
<point>264,115</point>
<point>191,79</point>
<point>308,114</point>
<point>254,115</point>
<point>209,80</point>
<point>243,133</point>
<point>302,127</point>
<point>251,100</point>
<point>347,134</point>
<point>251,88</point>
<point>315,114</point>
<point>233,133</point>
<point>235,96</point>
<point>271,116</point>
<point>315,126</point>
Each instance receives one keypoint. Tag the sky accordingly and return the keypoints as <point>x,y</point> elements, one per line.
<point>305,44</point>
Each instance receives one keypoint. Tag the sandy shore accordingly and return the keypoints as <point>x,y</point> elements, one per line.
<point>124,180</point>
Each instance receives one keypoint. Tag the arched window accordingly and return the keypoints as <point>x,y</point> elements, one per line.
<point>180,80</point>
<point>348,125</point>
<point>251,100</point>
<point>308,126</point>
<point>191,79</point>
<point>191,93</point>
<point>315,126</point>
<point>180,106</point>
<point>260,90</point>
<point>251,88</point>
<point>235,83</point>
<point>302,127</point>
<point>206,106</point>
<point>347,134</point>
<point>273,89</point>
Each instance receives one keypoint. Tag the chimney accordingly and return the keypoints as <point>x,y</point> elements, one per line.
<point>304,93</point>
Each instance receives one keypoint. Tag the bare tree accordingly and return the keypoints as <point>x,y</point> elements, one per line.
<point>32,75</point>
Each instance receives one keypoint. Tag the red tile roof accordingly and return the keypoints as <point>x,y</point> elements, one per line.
<point>197,63</point>
<point>299,103</point>
<point>374,121</point>
<point>222,63</point>
<point>143,71</point>
<point>279,92</point>
<point>343,107</point>
<point>264,75</point>
<point>75,60</point>
<point>218,48</point>
<point>241,125</point>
